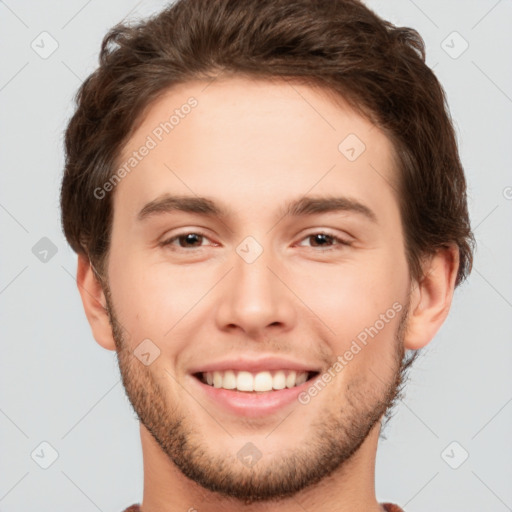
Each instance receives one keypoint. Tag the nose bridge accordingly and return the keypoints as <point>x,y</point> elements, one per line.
<point>254,298</point>
<point>254,282</point>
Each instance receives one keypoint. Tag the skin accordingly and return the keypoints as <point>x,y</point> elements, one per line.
<point>252,146</point>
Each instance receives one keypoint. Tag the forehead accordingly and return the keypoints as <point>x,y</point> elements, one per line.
<point>239,135</point>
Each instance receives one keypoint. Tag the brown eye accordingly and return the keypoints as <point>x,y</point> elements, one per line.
<point>321,239</point>
<point>189,240</point>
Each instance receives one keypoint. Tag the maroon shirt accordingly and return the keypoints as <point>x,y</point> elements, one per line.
<point>388,507</point>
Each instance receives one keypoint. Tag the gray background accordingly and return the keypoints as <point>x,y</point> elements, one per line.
<point>58,386</point>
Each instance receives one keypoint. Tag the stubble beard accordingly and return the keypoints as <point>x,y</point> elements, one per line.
<point>334,437</point>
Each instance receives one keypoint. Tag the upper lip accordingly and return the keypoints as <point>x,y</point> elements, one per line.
<point>254,365</point>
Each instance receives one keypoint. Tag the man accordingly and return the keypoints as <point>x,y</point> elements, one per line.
<point>269,210</point>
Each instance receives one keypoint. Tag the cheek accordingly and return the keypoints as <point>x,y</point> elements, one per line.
<point>359,307</point>
<point>355,293</point>
<point>156,300</point>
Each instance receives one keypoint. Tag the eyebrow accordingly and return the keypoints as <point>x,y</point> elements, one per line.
<point>308,205</point>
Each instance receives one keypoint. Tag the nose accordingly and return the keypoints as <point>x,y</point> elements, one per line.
<point>255,298</point>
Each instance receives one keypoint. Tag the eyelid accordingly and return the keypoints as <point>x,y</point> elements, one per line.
<point>168,240</point>
<point>346,240</point>
<point>341,239</point>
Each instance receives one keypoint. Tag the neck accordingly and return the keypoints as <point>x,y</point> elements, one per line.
<point>351,488</point>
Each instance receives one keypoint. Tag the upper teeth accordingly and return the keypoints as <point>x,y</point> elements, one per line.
<point>261,381</point>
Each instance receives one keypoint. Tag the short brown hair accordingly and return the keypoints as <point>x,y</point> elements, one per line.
<point>340,45</point>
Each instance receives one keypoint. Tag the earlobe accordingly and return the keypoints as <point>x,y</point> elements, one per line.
<point>431,298</point>
<point>95,305</point>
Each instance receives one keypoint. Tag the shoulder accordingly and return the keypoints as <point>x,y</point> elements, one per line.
<point>391,507</point>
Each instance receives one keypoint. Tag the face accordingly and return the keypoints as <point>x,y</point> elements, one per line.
<point>257,244</point>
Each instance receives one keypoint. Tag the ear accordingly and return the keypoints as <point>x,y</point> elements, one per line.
<point>94,302</point>
<point>431,298</point>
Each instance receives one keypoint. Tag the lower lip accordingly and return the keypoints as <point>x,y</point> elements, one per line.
<point>252,404</point>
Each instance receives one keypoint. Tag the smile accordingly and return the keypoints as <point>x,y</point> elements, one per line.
<point>251,394</point>
<point>262,381</point>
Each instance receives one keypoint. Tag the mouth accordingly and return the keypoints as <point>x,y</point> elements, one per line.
<point>270,381</point>
<point>252,395</point>
<point>252,387</point>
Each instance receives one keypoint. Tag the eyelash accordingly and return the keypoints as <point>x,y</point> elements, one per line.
<point>340,241</point>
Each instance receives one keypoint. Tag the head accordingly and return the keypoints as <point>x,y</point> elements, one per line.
<point>212,142</point>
